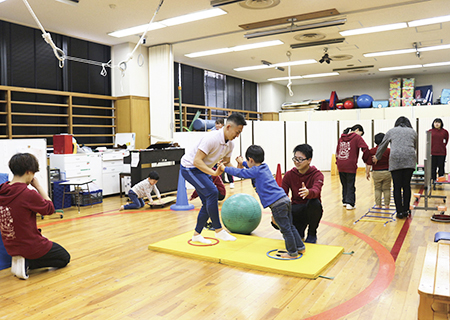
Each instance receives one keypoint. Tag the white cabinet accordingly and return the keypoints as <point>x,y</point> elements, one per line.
<point>78,167</point>
<point>103,168</point>
<point>112,165</point>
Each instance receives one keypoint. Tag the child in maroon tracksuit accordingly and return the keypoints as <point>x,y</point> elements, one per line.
<point>439,140</point>
<point>347,153</point>
<point>380,173</point>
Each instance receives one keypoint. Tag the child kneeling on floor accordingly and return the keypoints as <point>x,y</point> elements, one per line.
<point>271,195</point>
<point>18,207</point>
<point>141,190</point>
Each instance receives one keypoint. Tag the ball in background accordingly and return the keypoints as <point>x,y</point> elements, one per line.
<point>364,101</point>
<point>348,104</point>
<point>241,213</point>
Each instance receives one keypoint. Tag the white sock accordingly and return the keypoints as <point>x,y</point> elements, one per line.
<point>199,238</point>
<point>225,236</point>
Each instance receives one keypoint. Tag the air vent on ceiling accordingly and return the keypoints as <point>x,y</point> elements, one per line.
<point>358,71</point>
<point>341,57</point>
<point>259,4</point>
<point>353,68</point>
<point>310,36</point>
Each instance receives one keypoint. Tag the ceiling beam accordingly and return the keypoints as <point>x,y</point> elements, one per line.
<point>290,19</point>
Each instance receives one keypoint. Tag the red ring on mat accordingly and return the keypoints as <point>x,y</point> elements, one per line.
<point>205,244</point>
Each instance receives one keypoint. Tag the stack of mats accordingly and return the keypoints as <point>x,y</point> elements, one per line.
<point>251,252</point>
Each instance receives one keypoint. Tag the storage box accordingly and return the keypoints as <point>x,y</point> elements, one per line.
<point>88,198</point>
<point>58,191</point>
<point>62,144</point>
<point>380,104</point>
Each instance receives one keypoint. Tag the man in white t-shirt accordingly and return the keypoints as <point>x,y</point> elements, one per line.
<point>196,168</point>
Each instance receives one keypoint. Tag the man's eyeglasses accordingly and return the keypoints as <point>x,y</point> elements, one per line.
<point>299,160</point>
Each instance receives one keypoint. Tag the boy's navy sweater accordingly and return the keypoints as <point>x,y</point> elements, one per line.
<point>266,186</point>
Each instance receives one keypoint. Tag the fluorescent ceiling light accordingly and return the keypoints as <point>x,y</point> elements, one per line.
<point>262,66</point>
<point>316,75</point>
<point>319,75</point>
<point>200,15</point>
<point>424,22</point>
<point>281,64</point>
<point>168,22</point>
<point>388,53</point>
<point>437,64</point>
<point>236,48</point>
<point>434,48</point>
<point>402,51</point>
<point>415,66</point>
<point>136,30</point>
<point>294,28</point>
<point>285,78</point>
<point>386,27</point>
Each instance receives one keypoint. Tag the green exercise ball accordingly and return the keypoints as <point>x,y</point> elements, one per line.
<point>241,213</point>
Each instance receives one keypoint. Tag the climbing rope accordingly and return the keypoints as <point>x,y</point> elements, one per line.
<point>61,56</point>
<point>288,53</point>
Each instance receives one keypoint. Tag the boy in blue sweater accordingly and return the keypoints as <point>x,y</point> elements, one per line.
<point>271,195</point>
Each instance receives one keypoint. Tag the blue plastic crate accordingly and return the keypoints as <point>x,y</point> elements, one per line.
<point>95,196</point>
<point>58,191</point>
<point>3,177</point>
<point>5,258</point>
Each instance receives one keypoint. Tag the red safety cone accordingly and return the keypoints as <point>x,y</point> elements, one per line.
<point>278,177</point>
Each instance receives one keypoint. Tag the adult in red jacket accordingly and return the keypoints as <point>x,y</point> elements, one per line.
<point>347,153</point>
<point>439,140</point>
<point>18,207</point>
<point>305,183</point>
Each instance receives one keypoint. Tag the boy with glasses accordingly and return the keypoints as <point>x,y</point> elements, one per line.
<point>305,182</point>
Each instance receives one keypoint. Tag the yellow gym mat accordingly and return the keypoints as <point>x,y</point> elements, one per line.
<point>250,252</point>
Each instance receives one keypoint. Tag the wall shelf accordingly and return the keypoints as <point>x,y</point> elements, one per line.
<point>37,113</point>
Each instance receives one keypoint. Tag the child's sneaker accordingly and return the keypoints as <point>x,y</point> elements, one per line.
<point>350,207</point>
<point>225,236</point>
<point>19,268</point>
<point>199,238</point>
<point>311,239</point>
<point>231,185</point>
<point>122,208</point>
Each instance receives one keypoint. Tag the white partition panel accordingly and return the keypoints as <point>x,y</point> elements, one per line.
<point>295,135</point>
<point>382,125</point>
<point>270,136</point>
<point>367,125</point>
<point>246,137</point>
<point>322,137</point>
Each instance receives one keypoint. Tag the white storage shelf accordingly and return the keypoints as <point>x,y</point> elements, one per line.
<point>102,168</point>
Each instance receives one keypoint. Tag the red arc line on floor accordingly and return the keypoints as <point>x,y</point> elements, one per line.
<point>403,232</point>
<point>382,280</point>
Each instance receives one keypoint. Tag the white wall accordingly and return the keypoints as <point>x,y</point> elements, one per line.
<point>161,91</point>
<point>135,79</point>
<point>271,97</point>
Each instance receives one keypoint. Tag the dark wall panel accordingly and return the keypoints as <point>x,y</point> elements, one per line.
<point>22,59</point>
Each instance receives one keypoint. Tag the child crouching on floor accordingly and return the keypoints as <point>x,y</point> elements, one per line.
<point>271,195</point>
<point>141,190</point>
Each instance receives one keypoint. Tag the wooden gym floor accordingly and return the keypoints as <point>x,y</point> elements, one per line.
<point>113,275</point>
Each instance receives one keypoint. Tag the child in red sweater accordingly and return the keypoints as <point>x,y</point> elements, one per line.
<point>18,207</point>
<point>439,140</point>
<point>347,153</point>
<point>305,182</point>
<point>380,173</point>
